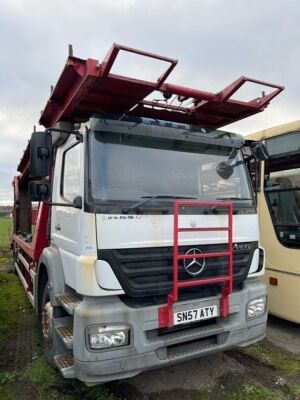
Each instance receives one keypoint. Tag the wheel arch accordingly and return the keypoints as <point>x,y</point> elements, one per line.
<point>51,266</point>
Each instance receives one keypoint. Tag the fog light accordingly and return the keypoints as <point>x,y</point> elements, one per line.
<point>256,307</point>
<point>108,336</point>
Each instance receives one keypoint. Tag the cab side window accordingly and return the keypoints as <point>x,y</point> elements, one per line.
<point>71,173</point>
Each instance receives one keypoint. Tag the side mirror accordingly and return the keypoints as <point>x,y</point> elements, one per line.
<point>224,169</point>
<point>40,154</point>
<point>259,151</point>
<point>39,190</point>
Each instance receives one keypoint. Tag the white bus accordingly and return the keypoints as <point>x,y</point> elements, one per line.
<point>279,217</point>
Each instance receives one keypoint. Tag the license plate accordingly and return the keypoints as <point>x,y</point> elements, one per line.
<point>195,314</point>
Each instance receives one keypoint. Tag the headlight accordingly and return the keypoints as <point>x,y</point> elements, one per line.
<point>108,336</point>
<point>256,307</point>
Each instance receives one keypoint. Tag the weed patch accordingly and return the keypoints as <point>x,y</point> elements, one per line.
<point>251,391</point>
<point>272,356</point>
<point>49,384</point>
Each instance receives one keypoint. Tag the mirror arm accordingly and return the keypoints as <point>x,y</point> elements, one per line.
<point>239,163</point>
<point>50,203</point>
<point>249,158</point>
<point>78,135</point>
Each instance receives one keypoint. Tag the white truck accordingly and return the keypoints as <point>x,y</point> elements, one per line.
<point>145,250</point>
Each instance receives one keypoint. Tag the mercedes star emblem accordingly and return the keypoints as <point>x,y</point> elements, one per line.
<point>195,265</point>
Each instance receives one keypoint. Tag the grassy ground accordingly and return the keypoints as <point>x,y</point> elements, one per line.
<point>271,355</point>
<point>5,228</point>
<point>270,374</point>
<point>24,373</point>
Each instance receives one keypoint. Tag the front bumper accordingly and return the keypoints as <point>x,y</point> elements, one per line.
<point>148,348</point>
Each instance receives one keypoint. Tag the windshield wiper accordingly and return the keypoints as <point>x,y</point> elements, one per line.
<point>216,208</point>
<point>156,196</point>
<point>234,198</point>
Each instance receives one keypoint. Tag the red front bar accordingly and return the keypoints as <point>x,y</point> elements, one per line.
<point>203,229</point>
<point>165,313</point>
<point>203,255</point>
<point>203,281</point>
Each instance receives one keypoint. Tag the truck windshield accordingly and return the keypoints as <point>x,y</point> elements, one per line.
<point>127,168</point>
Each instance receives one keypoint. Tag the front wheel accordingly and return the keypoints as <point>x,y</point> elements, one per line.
<point>46,328</point>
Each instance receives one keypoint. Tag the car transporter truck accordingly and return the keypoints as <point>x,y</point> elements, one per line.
<point>145,248</point>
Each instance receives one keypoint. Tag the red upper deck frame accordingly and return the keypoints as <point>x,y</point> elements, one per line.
<point>88,86</point>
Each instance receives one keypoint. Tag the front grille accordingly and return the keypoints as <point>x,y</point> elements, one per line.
<point>146,272</point>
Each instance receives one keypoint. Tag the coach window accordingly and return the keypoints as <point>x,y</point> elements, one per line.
<point>71,173</point>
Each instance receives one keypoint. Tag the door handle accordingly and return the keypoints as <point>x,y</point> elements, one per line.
<point>57,227</point>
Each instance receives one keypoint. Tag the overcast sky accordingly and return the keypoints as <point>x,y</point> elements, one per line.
<point>215,41</point>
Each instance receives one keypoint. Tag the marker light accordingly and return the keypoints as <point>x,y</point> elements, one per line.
<point>256,307</point>
<point>108,336</point>
<point>273,281</point>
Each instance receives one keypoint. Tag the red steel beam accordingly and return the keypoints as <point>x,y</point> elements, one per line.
<point>88,86</point>
<point>40,238</point>
<point>221,229</point>
<point>226,93</point>
<point>27,247</point>
<point>199,282</point>
<point>204,255</point>
<point>114,51</point>
<point>188,92</point>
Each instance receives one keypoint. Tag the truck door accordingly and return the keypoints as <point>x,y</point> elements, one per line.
<point>65,221</point>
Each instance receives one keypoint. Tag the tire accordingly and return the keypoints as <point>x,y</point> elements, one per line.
<point>46,330</point>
